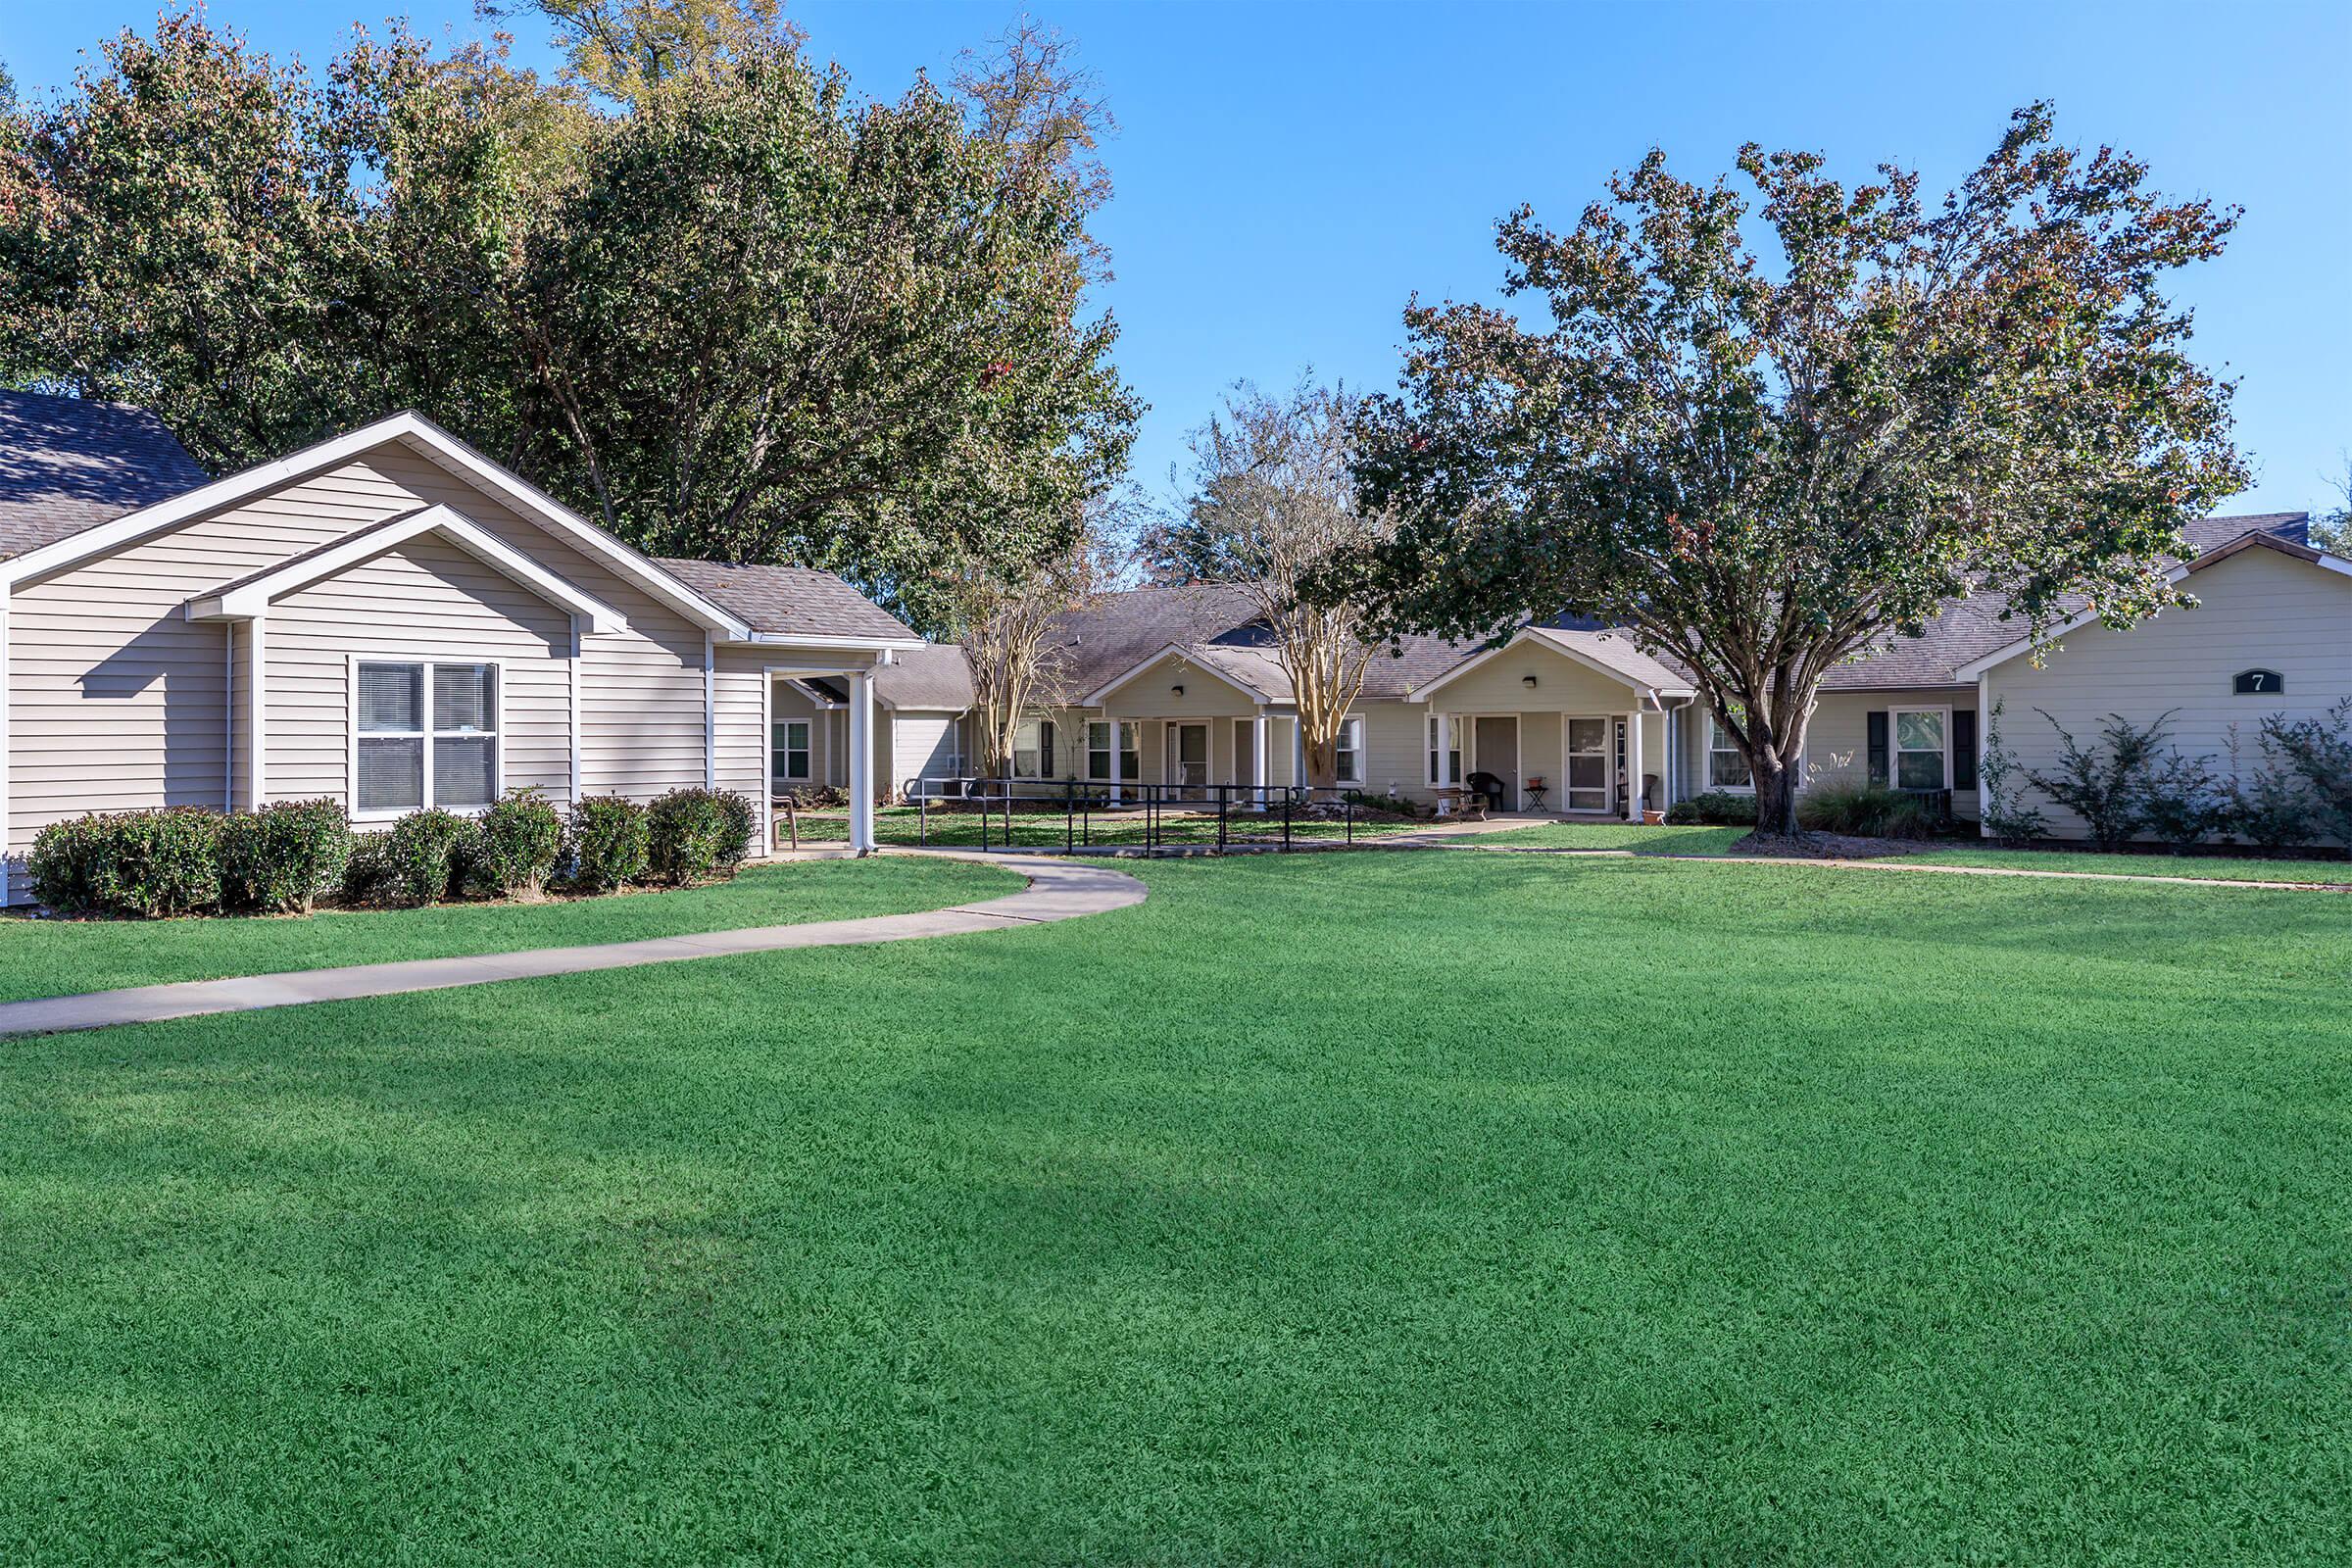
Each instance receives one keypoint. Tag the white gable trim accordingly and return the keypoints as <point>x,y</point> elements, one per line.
<point>252,597</point>
<point>1101,694</point>
<point>1525,635</point>
<point>1976,667</point>
<point>433,442</point>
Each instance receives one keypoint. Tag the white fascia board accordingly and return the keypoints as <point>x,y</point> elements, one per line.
<point>420,433</point>
<point>863,645</point>
<point>1101,694</point>
<point>252,598</point>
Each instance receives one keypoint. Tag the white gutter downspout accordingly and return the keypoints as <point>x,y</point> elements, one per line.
<point>709,710</point>
<point>1984,721</point>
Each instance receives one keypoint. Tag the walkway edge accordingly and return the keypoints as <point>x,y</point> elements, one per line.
<point>1052,890</point>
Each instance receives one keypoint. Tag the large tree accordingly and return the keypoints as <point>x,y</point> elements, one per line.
<point>1770,438</point>
<point>741,316</point>
<point>1272,503</point>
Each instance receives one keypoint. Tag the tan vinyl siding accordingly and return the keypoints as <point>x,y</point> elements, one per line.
<point>104,665</point>
<point>1837,740</point>
<point>641,729</point>
<point>923,745</point>
<point>431,599</point>
<point>741,703</point>
<point>1152,694</point>
<point>2258,610</point>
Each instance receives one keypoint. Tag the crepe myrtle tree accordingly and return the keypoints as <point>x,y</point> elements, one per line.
<point>1769,438</point>
<point>1009,622</point>
<point>1271,501</point>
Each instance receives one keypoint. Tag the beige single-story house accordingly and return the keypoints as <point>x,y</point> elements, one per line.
<point>1199,697</point>
<point>388,619</point>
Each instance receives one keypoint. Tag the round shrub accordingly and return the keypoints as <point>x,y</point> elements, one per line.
<point>283,856</point>
<point>522,839</point>
<point>426,855</point>
<point>608,843</point>
<point>694,835</point>
<point>1719,808</point>
<point>368,872</point>
<point>146,864</point>
<point>1864,810</point>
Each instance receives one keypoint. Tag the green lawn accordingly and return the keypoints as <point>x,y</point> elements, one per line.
<point>1640,838</point>
<point>904,825</point>
<point>52,958</point>
<point>2202,867</point>
<point>1643,840</point>
<point>1440,1207</point>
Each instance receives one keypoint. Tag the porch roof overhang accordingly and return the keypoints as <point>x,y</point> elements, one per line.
<point>1196,659</point>
<point>251,596</point>
<point>1610,654</point>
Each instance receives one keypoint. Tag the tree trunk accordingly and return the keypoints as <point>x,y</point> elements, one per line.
<point>1776,800</point>
<point>1323,768</point>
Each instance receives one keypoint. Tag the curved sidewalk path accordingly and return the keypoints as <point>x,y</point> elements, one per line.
<point>1056,890</point>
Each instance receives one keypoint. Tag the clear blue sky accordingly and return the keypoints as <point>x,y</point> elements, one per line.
<point>1287,174</point>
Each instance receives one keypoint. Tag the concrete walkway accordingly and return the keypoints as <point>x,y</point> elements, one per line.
<point>1057,890</point>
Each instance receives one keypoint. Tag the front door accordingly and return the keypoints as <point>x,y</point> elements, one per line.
<point>1187,756</point>
<point>1588,765</point>
<point>1495,745</point>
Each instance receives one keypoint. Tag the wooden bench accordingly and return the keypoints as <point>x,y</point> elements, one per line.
<point>1459,799</point>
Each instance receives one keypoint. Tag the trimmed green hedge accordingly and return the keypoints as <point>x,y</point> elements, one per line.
<point>1716,807</point>
<point>694,835</point>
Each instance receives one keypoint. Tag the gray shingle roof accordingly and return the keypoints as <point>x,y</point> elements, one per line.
<point>1970,629</point>
<point>933,676</point>
<point>1220,622</point>
<point>70,464</point>
<point>788,601</point>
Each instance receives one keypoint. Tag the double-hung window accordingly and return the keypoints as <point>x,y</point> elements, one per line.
<point>428,735</point>
<point>1727,767</point>
<point>1351,751</point>
<point>790,742</point>
<point>1098,751</point>
<point>1033,748</point>
<point>1452,774</point>
<point>1922,756</point>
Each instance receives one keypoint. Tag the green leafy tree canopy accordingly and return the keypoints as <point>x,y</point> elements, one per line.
<point>1769,438</point>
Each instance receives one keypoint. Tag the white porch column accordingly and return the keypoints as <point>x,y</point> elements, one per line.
<point>1633,765</point>
<point>257,712</point>
<point>1260,756</point>
<point>1298,750</point>
<point>1436,756</point>
<point>1117,729</point>
<point>861,763</point>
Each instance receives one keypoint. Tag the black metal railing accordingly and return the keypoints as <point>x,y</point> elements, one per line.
<point>1158,808</point>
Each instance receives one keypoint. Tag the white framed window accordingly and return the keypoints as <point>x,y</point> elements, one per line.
<point>1727,766</point>
<point>1920,739</point>
<point>1351,756</point>
<point>1098,751</point>
<point>1033,748</point>
<point>1452,774</point>
<point>791,745</point>
<point>424,733</point>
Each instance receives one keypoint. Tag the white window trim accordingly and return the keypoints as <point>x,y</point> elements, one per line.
<point>1353,723</point>
<point>1434,755</point>
<point>1707,758</point>
<point>1895,747</point>
<point>351,730</point>
<point>808,749</point>
<point>1045,752</point>
<point>1125,776</point>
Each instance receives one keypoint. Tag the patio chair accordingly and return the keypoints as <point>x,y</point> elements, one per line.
<point>1489,788</point>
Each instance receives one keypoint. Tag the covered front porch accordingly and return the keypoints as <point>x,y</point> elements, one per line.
<point>1187,720</point>
<point>1580,724</point>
